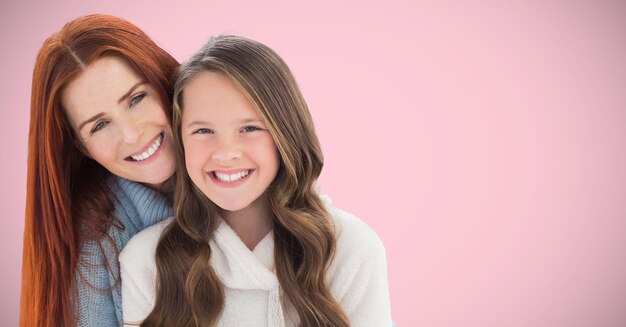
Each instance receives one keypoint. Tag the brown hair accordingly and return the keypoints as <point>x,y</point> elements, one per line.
<point>67,197</point>
<point>189,292</point>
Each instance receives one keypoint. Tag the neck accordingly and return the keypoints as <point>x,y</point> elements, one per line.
<point>166,187</point>
<point>252,223</point>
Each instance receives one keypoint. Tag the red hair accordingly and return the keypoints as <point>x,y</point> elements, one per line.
<point>67,198</point>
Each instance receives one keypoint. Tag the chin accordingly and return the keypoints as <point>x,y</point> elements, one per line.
<point>157,180</point>
<point>164,173</point>
<point>230,206</point>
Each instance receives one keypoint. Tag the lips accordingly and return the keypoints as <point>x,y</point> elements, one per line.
<point>149,151</point>
<point>231,178</point>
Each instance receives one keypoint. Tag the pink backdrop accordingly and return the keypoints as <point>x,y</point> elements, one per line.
<point>484,142</point>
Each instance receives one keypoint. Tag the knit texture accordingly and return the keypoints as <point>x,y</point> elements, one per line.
<point>357,277</point>
<point>136,207</point>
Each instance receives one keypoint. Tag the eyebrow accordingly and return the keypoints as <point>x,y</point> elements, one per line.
<point>130,91</point>
<point>197,122</point>
<point>243,121</point>
<point>251,120</point>
<point>124,97</point>
<point>96,117</point>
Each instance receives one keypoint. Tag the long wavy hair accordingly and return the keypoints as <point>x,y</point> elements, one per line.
<point>68,200</point>
<point>188,292</point>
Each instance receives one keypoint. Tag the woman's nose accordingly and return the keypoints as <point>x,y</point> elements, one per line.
<point>131,130</point>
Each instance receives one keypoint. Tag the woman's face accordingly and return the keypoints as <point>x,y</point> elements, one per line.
<point>119,119</point>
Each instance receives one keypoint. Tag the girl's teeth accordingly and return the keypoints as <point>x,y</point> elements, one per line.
<point>150,151</point>
<point>229,178</point>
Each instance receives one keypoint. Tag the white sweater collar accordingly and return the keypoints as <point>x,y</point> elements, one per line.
<point>240,268</point>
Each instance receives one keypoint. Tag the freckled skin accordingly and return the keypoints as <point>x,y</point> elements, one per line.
<point>124,126</point>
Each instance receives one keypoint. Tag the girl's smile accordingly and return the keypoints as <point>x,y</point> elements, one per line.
<point>231,178</point>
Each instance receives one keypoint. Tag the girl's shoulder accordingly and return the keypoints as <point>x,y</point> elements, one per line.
<point>355,239</point>
<point>360,260</point>
<point>141,248</point>
<point>350,230</point>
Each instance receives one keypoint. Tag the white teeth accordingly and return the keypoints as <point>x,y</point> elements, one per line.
<point>147,154</point>
<point>229,178</point>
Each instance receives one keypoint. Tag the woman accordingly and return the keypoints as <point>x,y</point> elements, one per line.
<point>99,162</point>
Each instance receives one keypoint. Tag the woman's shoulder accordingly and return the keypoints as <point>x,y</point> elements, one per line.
<point>143,245</point>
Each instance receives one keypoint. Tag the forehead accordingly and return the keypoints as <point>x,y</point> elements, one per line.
<point>99,86</point>
<point>214,95</point>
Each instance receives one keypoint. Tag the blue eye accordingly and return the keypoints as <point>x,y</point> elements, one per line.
<point>249,129</point>
<point>100,125</point>
<point>202,131</point>
<point>135,100</point>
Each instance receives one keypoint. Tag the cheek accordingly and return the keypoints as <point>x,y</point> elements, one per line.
<point>266,153</point>
<point>194,172</point>
<point>195,158</point>
<point>276,164</point>
<point>104,152</point>
<point>271,152</point>
<point>156,113</point>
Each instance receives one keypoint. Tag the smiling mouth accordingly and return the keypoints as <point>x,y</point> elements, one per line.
<point>149,152</point>
<point>230,178</point>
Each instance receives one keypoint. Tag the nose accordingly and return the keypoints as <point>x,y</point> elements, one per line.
<point>226,151</point>
<point>131,129</point>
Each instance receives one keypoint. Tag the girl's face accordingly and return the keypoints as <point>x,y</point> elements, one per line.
<point>229,152</point>
<point>120,121</point>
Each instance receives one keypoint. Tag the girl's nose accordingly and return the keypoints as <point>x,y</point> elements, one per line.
<point>225,153</point>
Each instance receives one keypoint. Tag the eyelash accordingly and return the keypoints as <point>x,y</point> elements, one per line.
<point>247,129</point>
<point>133,102</point>
<point>137,99</point>
<point>202,131</point>
<point>98,126</point>
<point>254,128</point>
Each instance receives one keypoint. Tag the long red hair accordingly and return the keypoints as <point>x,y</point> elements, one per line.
<point>67,199</point>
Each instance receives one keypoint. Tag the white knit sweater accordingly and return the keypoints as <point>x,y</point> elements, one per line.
<point>357,276</point>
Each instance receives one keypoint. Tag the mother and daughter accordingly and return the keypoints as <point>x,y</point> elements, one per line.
<point>251,241</point>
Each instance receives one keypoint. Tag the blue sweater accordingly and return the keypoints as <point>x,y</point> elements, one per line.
<point>99,300</point>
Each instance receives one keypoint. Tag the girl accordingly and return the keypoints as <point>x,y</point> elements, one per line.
<point>99,157</point>
<point>252,243</point>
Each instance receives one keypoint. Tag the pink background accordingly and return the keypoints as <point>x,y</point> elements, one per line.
<point>484,142</point>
